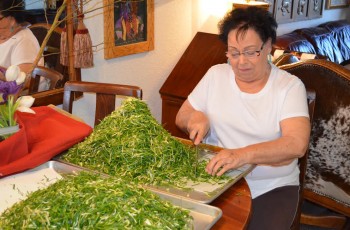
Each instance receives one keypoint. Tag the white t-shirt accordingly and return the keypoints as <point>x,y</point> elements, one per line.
<point>21,48</point>
<point>238,119</point>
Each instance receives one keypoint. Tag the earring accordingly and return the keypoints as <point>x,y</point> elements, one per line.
<point>269,58</point>
<point>228,62</point>
<point>12,29</point>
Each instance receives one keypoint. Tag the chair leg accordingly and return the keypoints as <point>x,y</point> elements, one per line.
<point>334,222</point>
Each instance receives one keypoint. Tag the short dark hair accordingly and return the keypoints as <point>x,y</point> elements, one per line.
<point>13,8</point>
<point>258,19</point>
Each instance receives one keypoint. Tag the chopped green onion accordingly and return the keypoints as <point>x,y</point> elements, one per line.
<point>90,201</point>
<point>131,144</point>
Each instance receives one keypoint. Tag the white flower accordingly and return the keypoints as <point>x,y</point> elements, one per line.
<point>25,109</point>
<point>12,73</point>
<point>25,102</point>
<point>21,78</point>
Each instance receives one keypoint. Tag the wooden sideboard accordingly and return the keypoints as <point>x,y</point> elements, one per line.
<point>204,51</point>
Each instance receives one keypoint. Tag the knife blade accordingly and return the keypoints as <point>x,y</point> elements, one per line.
<point>197,159</point>
<point>196,153</point>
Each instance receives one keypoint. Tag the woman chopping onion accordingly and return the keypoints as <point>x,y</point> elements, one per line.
<point>257,113</point>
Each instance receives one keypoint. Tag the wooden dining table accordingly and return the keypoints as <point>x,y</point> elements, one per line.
<point>235,202</point>
<point>236,205</point>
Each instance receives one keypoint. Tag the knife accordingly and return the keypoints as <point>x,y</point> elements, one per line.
<point>197,155</point>
<point>197,159</point>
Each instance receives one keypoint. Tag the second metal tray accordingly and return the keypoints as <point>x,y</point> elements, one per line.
<point>205,216</point>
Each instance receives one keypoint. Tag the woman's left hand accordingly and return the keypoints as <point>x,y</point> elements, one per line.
<point>225,160</point>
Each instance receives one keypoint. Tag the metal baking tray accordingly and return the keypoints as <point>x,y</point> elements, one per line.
<point>201,192</point>
<point>205,216</point>
<point>206,193</point>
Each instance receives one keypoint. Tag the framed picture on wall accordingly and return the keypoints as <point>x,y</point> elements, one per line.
<point>332,4</point>
<point>315,9</point>
<point>283,11</point>
<point>300,10</point>
<point>128,27</point>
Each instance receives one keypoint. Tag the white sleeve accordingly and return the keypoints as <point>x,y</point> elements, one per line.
<point>198,97</point>
<point>295,102</point>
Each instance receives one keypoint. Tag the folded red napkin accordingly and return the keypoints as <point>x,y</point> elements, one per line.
<point>14,147</point>
<point>41,136</point>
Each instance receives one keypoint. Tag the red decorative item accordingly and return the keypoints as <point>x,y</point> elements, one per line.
<point>14,147</point>
<point>64,48</point>
<point>41,136</point>
<point>83,56</point>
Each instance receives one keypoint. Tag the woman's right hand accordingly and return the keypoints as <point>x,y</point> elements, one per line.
<point>197,126</point>
<point>192,121</point>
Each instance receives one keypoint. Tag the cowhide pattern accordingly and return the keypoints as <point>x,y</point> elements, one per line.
<point>328,170</point>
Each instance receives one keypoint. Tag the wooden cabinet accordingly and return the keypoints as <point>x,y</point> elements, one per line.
<point>204,51</point>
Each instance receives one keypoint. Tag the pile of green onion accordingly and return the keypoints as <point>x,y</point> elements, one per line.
<point>131,144</point>
<point>90,201</point>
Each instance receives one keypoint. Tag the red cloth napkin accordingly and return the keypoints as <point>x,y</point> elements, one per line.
<point>14,147</point>
<point>41,136</point>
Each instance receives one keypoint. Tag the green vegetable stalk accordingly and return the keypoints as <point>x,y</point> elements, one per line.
<point>89,201</point>
<point>131,144</point>
<point>7,112</point>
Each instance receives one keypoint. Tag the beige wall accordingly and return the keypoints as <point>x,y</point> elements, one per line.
<point>176,22</point>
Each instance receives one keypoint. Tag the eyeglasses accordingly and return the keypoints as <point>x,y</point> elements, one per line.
<point>250,54</point>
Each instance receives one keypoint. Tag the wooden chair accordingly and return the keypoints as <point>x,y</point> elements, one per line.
<point>53,76</point>
<point>326,182</point>
<point>105,95</point>
<point>311,98</point>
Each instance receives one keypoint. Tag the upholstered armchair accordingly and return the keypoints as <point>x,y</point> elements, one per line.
<point>327,181</point>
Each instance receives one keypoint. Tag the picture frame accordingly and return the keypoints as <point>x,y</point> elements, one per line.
<point>315,9</point>
<point>128,27</point>
<point>333,4</point>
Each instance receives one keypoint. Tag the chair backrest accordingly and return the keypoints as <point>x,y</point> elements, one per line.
<point>105,95</point>
<point>328,168</point>
<point>311,99</point>
<point>52,77</point>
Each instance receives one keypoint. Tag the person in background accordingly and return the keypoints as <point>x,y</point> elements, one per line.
<point>18,45</point>
<point>257,113</point>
